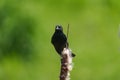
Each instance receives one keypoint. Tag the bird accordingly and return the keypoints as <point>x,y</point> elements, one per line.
<point>59,40</point>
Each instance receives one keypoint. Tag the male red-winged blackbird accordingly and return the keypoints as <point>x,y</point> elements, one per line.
<point>59,40</point>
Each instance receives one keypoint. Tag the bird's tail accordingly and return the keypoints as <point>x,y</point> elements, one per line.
<point>73,55</point>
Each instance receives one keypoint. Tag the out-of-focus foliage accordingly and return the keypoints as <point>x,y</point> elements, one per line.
<point>16,31</point>
<point>26,27</point>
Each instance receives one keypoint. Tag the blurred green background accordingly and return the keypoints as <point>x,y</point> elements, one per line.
<point>26,27</point>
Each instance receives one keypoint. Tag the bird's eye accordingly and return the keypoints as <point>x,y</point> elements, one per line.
<point>59,27</point>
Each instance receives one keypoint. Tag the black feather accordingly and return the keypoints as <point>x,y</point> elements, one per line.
<point>59,40</point>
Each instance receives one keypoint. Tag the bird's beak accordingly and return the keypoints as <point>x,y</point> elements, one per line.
<point>57,28</point>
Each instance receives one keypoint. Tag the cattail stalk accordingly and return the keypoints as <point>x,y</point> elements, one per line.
<point>66,64</point>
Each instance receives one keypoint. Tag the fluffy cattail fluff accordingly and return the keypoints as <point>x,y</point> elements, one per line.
<point>66,64</point>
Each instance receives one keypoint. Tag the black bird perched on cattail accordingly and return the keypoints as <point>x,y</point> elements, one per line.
<point>59,40</point>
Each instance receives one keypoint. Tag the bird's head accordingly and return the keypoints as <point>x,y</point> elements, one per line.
<point>58,28</point>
